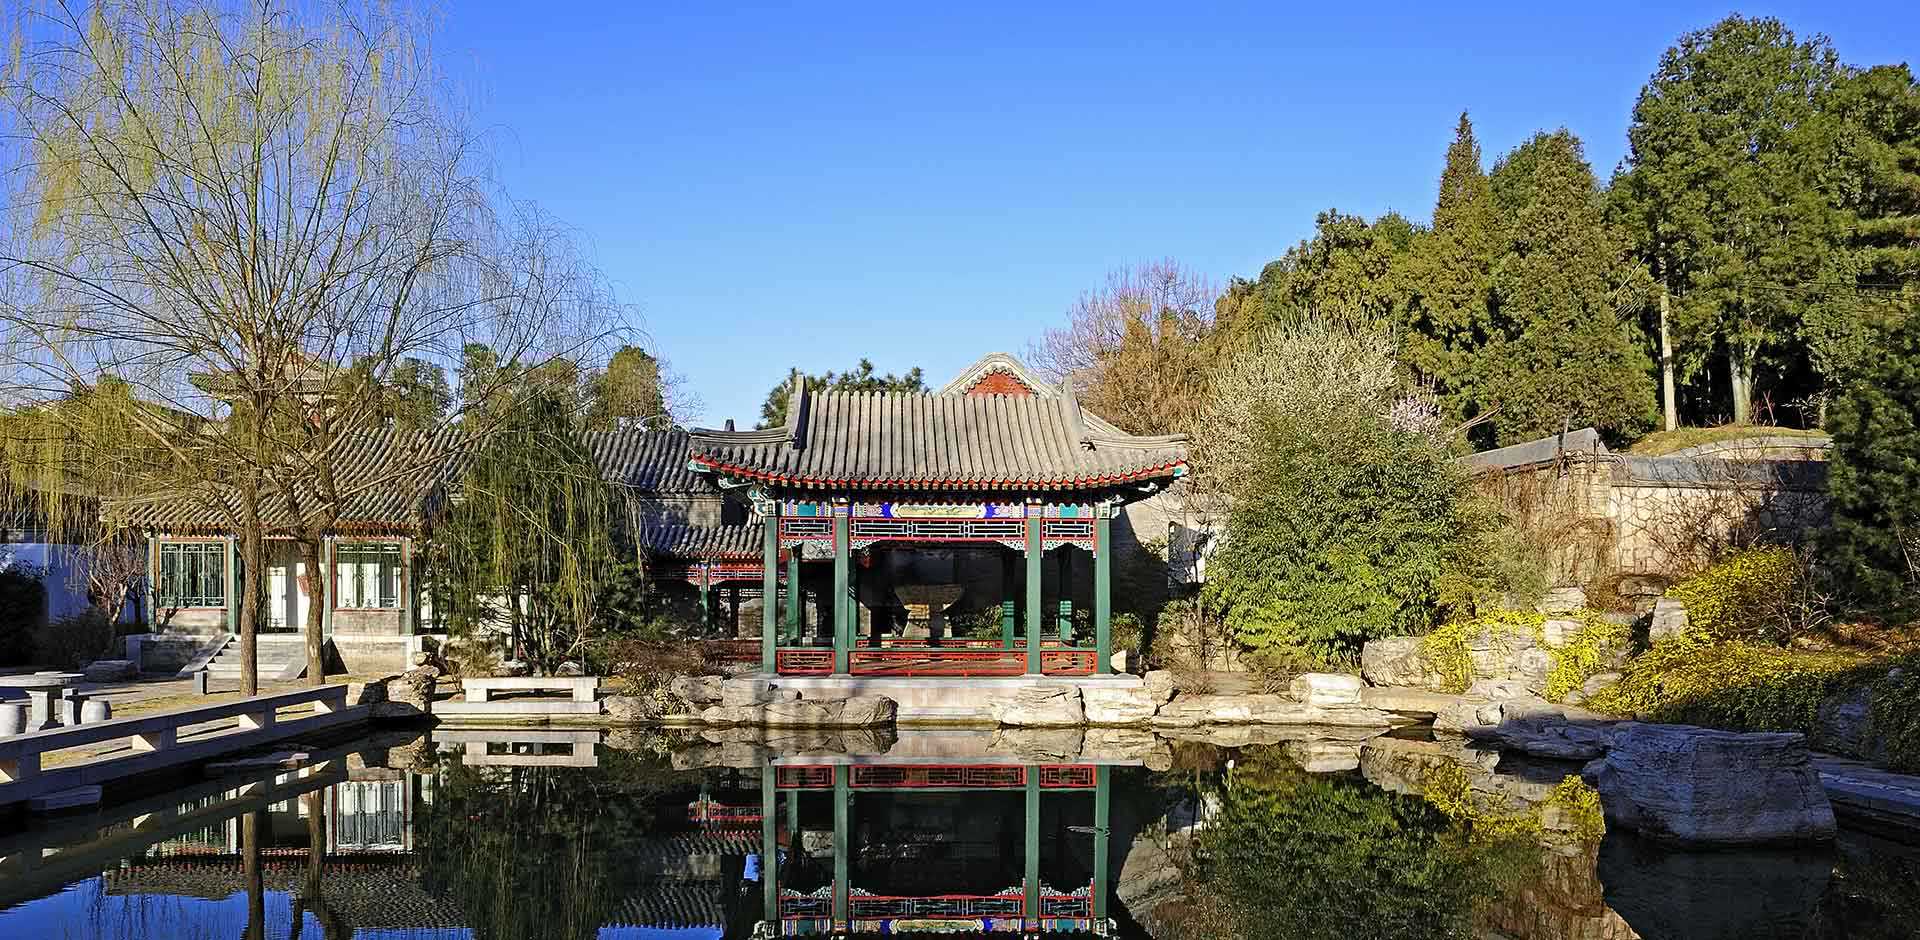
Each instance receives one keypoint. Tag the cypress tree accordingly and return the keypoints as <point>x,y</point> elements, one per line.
<point>1448,278</point>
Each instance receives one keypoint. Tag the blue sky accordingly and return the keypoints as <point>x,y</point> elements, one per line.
<point>806,184</point>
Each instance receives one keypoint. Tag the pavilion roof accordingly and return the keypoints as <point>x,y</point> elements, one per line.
<point>649,461</point>
<point>704,541</point>
<point>918,441</point>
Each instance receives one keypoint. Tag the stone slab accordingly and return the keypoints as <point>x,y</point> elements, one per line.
<point>514,708</point>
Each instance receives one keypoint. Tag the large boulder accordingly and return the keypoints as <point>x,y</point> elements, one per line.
<point>408,695</point>
<point>1419,704</point>
<point>1117,705</point>
<point>1046,706</point>
<point>1401,661</point>
<point>868,711</point>
<point>1669,619</point>
<point>1160,685</point>
<point>1697,786</point>
<point>111,670</point>
<point>1326,689</point>
<point>699,690</point>
<point>1547,736</point>
<point>1562,600</point>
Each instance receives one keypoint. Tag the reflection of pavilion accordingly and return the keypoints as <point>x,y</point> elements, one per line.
<point>928,848</point>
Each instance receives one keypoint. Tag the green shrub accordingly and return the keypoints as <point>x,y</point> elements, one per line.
<point>76,640</point>
<point>1749,595</point>
<point>1698,679</point>
<point>1895,716</point>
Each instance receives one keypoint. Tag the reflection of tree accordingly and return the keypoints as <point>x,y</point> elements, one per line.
<point>537,853</point>
<point>1290,854</point>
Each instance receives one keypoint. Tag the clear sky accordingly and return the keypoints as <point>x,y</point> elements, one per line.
<point>801,185</point>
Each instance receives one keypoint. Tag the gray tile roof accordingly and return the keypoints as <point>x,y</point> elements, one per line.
<point>699,541</point>
<point>1583,441</point>
<point>385,479</point>
<point>655,461</point>
<point>904,441</point>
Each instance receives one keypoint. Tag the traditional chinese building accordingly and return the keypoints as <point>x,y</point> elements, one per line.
<point>967,532</point>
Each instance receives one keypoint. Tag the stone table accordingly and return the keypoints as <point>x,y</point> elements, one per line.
<point>926,606</point>
<point>41,688</point>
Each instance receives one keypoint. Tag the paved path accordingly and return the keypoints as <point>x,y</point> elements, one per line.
<point>1871,793</point>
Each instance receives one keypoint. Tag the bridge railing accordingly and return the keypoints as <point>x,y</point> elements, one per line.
<point>164,739</point>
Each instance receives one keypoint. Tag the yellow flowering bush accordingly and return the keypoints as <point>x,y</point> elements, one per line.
<point>1747,595</point>
<point>1574,660</point>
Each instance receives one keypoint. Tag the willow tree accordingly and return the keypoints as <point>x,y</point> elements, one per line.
<point>253,214</point>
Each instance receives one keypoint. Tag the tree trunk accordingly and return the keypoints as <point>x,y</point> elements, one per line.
<point>320,578</point>
<point>252,563</point>
<point>1666,368</point>
<point>1740,380</point>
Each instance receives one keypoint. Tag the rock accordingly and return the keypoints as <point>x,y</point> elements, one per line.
<point>1558,631</point>
<point>628,709</point>
<point>1118,662</point>
<point>1669,619</point>
<point>1499,689</point>
<point>1187,711</point>
<point>1562,600</point>
<point>111,670</point>
<point>802,714</point>
<point>1548,737</point>
<point>698,690</point>
<point>732,715</point>
<point>868,711</point>
<point>1326,689</point>
<point>739,691</point>
<point>1496,654</point>
<point>422,658</point>
<point>1472,713</point>
<point>1040,707</point>
<point>1531,666</point>
<point>408,695</point>
<point>1117,705</point>
<point>1400,662</point>
<point>570,669</point>
<point>1597,683</point>
<point>1160,686</point>
<point>1697,786</point>
<point>1419,704</point>
<point>1842,726</point>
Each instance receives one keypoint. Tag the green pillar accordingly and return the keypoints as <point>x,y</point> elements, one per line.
<point>1102,811</point>
<point>770,588</point>
<point>706,599</point>
<point>1009,603</point>
<point>1065,571</point>
<point>842,570</point>
<point>796,600</point>
<point>770,845</point>
<point>233,588</point>
<point>842,834</point>
<point>1034,523</point>
<point>1032,877</point>
<point>1103,590</point>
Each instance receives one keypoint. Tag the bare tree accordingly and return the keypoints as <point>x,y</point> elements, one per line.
<point>251,214</point>
<point>1136,350</point>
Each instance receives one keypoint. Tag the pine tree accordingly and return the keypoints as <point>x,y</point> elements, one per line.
<point>1875,482</point>
<point>1448,277</point>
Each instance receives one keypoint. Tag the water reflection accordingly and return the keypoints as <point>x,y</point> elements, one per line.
<point>575,834</point>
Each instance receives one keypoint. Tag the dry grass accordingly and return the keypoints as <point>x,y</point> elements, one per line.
<point>1666,442</point>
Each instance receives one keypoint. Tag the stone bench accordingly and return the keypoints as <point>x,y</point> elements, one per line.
<point>582,688</point>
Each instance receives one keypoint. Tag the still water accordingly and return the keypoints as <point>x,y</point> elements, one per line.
<point>515,835</point>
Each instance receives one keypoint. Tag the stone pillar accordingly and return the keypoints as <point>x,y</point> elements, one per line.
<point>770,587</point>
<point>1103,589</point>
<point>1009,602</point>
<point>842,834</point>
<point>1064,568</point>
<point>1030,916</point>
<point>843,605</point>
<point>1035,522</point>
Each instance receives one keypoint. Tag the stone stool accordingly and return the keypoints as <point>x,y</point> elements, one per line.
<point>95,710</point>
<point>13,718</point>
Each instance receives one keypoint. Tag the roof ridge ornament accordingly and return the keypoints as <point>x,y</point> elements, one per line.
<point>797,411</point>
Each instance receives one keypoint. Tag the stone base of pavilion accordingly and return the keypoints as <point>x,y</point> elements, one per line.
<point>958,700</point>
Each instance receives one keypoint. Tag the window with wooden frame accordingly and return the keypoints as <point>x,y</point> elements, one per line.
<point>367,575</point>
<point>191,574</point>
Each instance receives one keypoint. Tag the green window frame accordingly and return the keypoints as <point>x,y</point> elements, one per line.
<point>191,574</point>
<point>367,575</point>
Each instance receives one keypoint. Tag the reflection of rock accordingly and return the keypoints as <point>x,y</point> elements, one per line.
<point>1124,705</point>
<point>1040,707</point>
<point>1126,744</point>
<point>1230,736</point>
<point>1037,745</point>
<point>1712,895</point>
<point>1322,756</point>
<point>1150,880</point>
<point>1700,786</point>
<point>1562,900</point>
<point>1187,711</point>
<point>1407,766</point>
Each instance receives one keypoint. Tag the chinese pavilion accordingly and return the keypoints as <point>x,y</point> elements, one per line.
<point>931,528</point>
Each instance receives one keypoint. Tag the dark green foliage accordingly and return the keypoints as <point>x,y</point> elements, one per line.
<point>418,397</point>
<point>1558,353</point>
<point>862,378</point>
<point>1448,277</point>
<point>1343,275</point>
<point>1875,474</point>
<point>1296,855</point>
<point>23,605</point>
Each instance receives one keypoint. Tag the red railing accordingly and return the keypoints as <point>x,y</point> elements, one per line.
<point>937,906</point>
<point>937,662</point>
<point>936,776</point>
<point>1065,662</point>
<point>818,777</point>
<point>803,662</point>
<point>723,814</point>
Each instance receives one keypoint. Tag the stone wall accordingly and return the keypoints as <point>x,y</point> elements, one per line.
<point>1611,514</point>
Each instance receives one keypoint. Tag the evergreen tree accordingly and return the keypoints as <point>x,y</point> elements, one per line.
<point>1875,481</point>
<point>1721,197</point>
<point>861,378</point>
<point>1558,353</point>
<point>1346,274</point>
<point>1449,275</point>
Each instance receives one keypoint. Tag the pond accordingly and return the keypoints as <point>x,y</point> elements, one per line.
<point>549,833</point>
